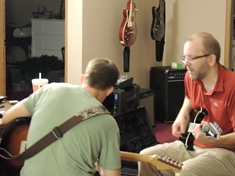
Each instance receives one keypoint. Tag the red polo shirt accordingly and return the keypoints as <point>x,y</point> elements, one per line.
<point>219,103</point>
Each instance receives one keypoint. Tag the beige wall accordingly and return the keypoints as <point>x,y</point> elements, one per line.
<point>93,30</point>
<point>74,42</point>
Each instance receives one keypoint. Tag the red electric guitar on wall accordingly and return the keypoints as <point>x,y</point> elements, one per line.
<point>128,32</point>
<point>128,29</point>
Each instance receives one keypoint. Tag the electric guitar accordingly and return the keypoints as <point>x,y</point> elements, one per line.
<point>210,129</point>
<point>158,28</point>
<point>14,141</point>
<point>161,162</point>
<point>158,22</point>
<point>128,28</point>
<point>196,117</point>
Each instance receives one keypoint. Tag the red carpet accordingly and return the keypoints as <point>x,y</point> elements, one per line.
<point>163,132</point>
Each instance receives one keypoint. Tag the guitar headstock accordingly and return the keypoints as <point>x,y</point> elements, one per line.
<point>161,162</point>
<point>131,6</point>
<point>165,162</point>
<point>212,130</point>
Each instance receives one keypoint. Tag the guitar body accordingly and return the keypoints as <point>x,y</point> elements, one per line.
<point>13,135</point>
<point>196,116</point>
<point>158,22</point>
<point>128,28</point>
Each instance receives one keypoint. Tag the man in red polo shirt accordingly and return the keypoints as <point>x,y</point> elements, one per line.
<point>211,87</point>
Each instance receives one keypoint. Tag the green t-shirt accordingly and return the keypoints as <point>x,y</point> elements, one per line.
<point>76,152</point>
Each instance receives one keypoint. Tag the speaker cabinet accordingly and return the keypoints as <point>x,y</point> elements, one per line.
<point>168,86</point>
<point>147,100</point>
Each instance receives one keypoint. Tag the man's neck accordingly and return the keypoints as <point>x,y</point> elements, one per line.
<point>96,93</point>
<point>210,80</point>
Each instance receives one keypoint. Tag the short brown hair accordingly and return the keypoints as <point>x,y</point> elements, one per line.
<point>101,73</point>
<point>209,42</point>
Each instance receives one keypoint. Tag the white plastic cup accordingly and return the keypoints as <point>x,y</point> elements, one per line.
<point>38,83</point>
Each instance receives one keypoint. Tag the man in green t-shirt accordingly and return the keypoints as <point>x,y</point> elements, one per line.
<point>92,140</point>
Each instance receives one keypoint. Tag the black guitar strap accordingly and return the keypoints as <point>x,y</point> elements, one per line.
<point>54,135</point>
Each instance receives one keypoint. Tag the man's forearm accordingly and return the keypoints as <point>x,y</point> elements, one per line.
<point>226,141</point>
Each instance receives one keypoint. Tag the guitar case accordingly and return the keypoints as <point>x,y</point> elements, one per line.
<point>16,129</point>
<point>136,133</point>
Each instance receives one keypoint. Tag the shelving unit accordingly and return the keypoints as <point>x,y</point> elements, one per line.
<point>47,37</point>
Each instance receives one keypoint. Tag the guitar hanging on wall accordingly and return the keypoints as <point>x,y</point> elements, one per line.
<point>158,29</point>
<point>128,31</point>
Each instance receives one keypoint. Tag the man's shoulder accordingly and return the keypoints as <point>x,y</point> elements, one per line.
<point>229,76</point>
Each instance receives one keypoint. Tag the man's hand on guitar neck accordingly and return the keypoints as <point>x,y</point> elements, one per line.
<point>200,136</point>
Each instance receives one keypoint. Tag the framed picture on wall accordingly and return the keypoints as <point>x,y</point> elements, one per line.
<point>62,9</point>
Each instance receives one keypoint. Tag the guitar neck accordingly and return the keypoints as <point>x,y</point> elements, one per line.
<point>130,13</point>
<point>128,156</point>
<point>161,162</point>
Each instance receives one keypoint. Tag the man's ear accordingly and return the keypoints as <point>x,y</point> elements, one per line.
<point>212,60</point>
<point>82,78</point>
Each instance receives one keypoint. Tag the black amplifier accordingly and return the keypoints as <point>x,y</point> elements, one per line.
<point>168,86</point>
<point>123,99</point>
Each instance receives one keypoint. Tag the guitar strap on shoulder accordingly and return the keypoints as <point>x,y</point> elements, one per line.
<point>55,134</point>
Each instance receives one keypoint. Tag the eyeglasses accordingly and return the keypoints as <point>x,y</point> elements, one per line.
<point>191,59</point>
